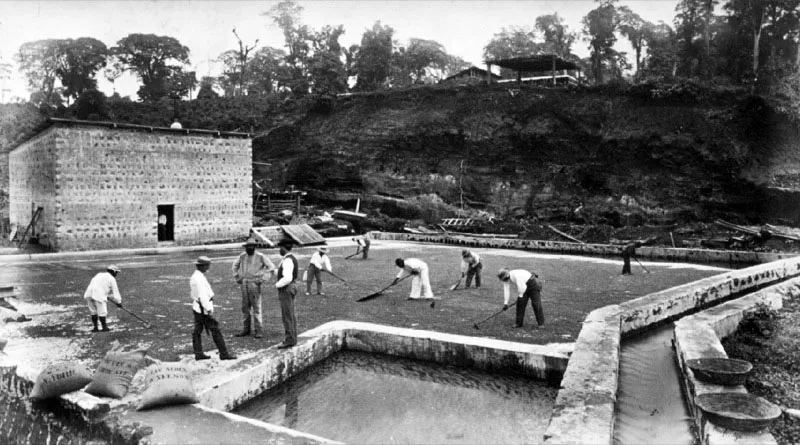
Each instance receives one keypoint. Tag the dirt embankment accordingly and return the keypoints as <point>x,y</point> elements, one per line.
<point>540,155</point>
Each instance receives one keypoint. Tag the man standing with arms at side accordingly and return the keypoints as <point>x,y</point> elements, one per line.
<point>250,270</point>
<point>203,310</point>
<point>102,287</point>
<point>287,274</point>
<point>528,287</point>
<point>471,266</point>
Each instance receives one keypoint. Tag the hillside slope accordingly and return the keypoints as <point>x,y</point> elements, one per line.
<point>541,153</point>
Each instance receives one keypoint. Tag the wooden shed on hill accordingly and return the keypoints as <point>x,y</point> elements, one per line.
<point>102,185</point>
<point>471,75</point>
<point>541,67</point>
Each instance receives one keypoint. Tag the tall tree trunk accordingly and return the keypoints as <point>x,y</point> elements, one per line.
<point>706,71</point>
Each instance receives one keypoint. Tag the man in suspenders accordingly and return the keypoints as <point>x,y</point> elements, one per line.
<point>287,274</point>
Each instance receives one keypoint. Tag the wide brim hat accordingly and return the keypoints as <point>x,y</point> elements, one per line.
<point>114,268</point>
<point>323,249</point>
<point>203,260</point>
<point>250,243</point>
<point>502,274</point>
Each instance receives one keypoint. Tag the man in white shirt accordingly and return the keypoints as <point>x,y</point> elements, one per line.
<point>102,287</point>
<point>471,266</point>
<point>362,245</point>
<point>250,270</point>
<point>287,274</point>
<point>319,262</point>
<point>420,281</point>
<point>203,310</point>
<point>528,287</point>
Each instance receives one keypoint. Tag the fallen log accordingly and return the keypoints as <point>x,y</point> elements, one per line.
<point>738,228</point>
<point>564,234</point>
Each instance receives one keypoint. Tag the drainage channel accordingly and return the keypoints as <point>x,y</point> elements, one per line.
<point>650,407</point>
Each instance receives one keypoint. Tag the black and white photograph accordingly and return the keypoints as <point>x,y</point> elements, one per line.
<point>433,222</point>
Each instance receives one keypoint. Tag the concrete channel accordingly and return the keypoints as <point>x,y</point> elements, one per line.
<point>593,374</point>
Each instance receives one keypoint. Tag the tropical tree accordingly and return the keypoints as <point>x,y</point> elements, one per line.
<point>558,38</point>
<point>600,25</point>
<point>39,62</point>
<point>635,28</point>
<point>326,69</point>
<point>286,16</point>
<point>374,56</point>
<point>267,71</point>
<point>154,60</point>
<point>206,90</point>
<point>688,26</point>
<point>78,62</point>
<point>419,57</point>
<point>662,51</point>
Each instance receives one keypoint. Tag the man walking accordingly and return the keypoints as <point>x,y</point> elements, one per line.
<point>362,245</point>
<point>203,310</point>
<point>528,287</point>
<point>251,270</point>
<point>287,274</point>
<point>420,281</point>
<point>102,287</point>
<point>319,262</point>
<point>471,266</point>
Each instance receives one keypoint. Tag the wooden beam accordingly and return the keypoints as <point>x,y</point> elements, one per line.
<point>564,234</point>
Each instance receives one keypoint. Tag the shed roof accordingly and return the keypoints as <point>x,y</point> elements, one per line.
<point>482,71</point>
<point>539,62</point>
<point>150,129</point>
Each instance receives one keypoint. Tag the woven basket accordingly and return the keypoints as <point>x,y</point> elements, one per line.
<point>738,411</point>
<point>720,371</point>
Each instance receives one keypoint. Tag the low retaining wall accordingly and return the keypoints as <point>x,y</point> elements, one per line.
<point>664,253</point>
<point>698,336</point>
<point>584,408</point>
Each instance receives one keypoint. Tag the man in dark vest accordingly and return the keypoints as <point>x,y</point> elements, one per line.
<point>287,274</point>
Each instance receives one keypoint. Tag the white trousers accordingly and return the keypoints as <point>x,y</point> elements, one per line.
<point>99,308</point>
<point>421,284</point>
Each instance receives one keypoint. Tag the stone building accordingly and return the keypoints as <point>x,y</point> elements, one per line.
<point>103,185</point>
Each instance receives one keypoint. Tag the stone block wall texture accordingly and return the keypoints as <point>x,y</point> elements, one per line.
<point>108,182</point>
<point>32,180</point>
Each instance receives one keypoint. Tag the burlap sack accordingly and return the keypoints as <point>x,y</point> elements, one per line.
<point>167,384</point>
<point>114,374</point>
<point>60,378</point>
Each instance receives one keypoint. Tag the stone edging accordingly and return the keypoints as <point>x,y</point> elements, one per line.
<point>584,408</point>
<point>698,336</point>
<point>607,250</point>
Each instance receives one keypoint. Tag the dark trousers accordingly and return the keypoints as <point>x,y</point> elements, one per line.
<point>626,264</point>
<point>209,323</point>
<point>476,272</point>
<point>365,250</point>
<point>534,294</point>
<point>286,298</point>
<point>314,273</point>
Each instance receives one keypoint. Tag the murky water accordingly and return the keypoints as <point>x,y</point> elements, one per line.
<point>650,405</point>
<point>357,397</point>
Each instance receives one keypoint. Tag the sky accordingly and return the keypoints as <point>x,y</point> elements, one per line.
<point>463,27</point>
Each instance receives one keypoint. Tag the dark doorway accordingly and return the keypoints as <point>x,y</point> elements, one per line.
<point>166,223</point>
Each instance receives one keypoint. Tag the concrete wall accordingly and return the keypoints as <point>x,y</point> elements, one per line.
<point>109,182</point>
<point>698,336</point>
<point>584,409</point>
<point>671,254</point>
<point>32,180</point>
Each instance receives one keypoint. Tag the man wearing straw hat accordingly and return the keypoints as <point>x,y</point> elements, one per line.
<point>528,287</point>
<point>102,287</point>
<point>471,267</point>
<point>319,262</point>
<point>251,270</point>
<point>203,310</point>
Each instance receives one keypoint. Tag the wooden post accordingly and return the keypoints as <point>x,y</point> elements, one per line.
<point>297,204</point>
<point>519,78</point>
<point>489,71</point>
<point>554,70</point>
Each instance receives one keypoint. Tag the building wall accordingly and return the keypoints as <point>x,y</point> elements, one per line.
<point>31,175</point>
<point>110,182</point>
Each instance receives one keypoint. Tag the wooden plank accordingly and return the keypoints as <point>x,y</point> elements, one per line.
<point>564,234</point>
<point>303,234</point>
<point>738,228</point>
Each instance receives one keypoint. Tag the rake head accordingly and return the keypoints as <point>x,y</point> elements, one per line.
<point>475,325</point>
<point>433,304</point>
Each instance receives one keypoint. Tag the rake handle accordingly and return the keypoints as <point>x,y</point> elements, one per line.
<point>493,315</point>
